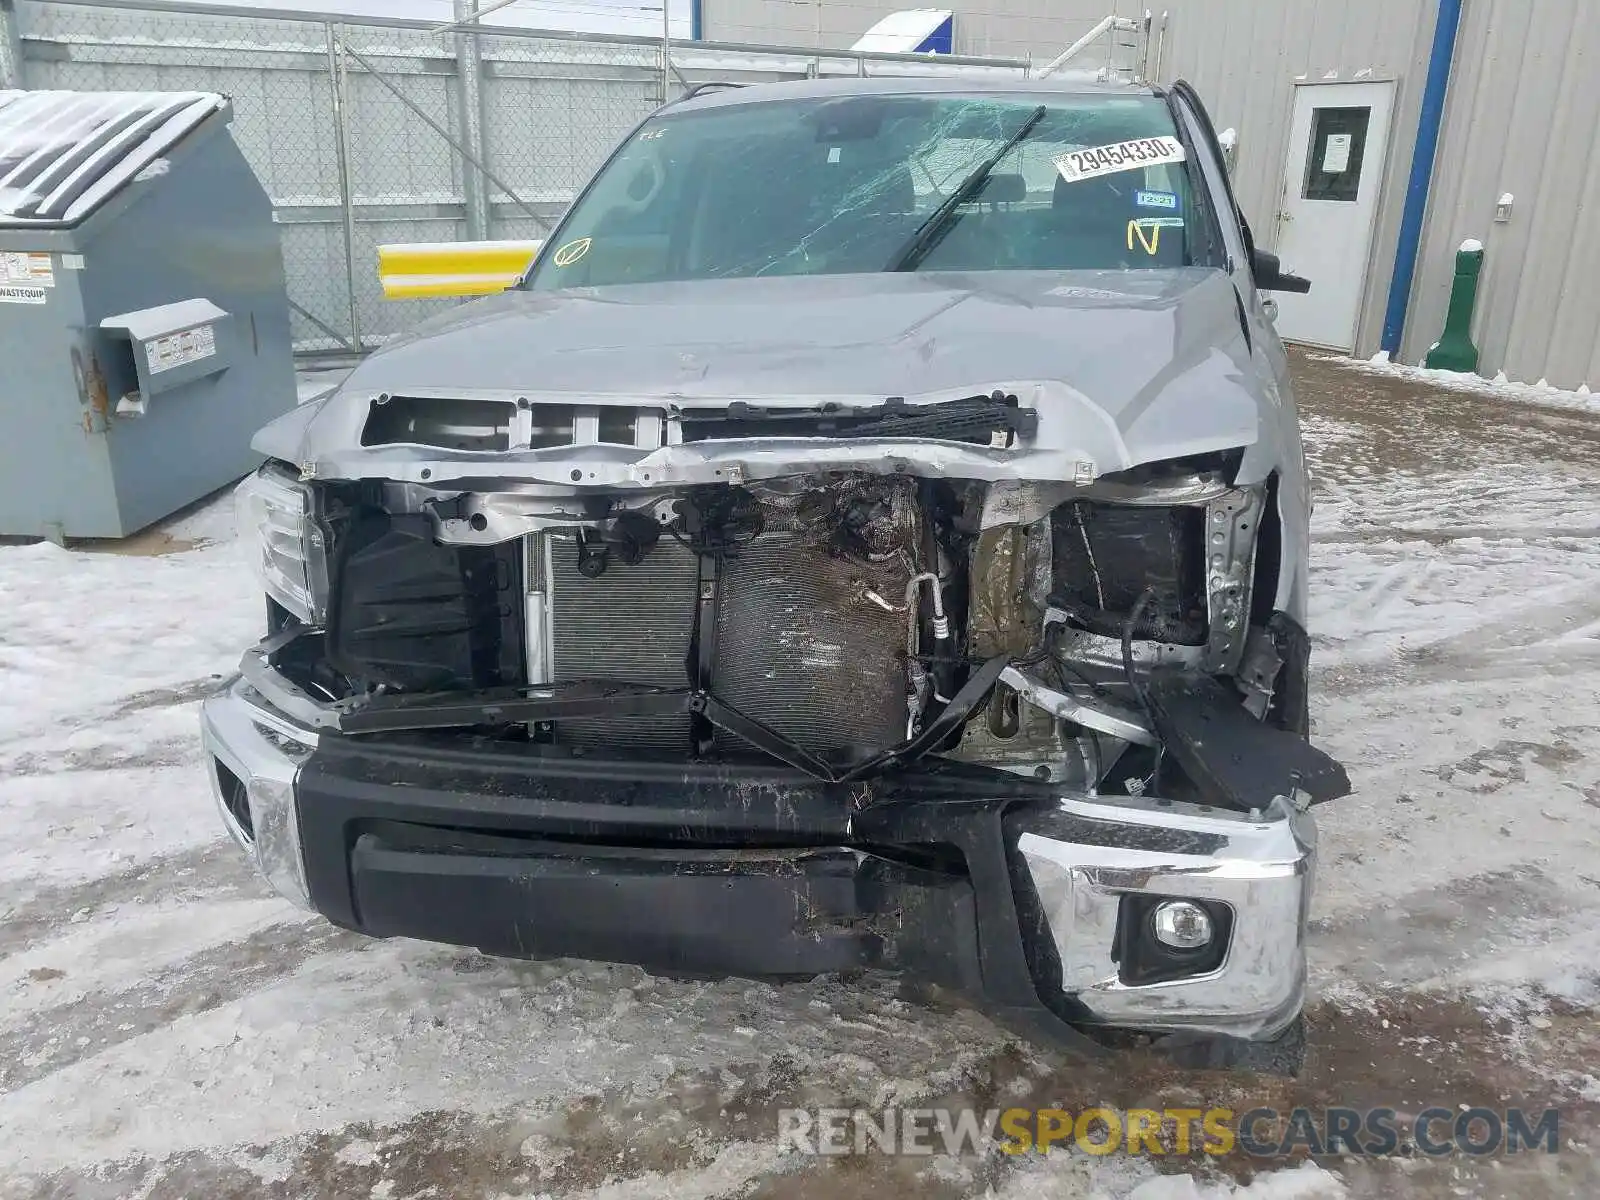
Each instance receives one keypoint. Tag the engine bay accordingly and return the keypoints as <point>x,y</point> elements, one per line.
<point>843,623</point>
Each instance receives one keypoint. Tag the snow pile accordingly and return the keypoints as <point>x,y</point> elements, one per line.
<point>87,633</point>
<point>1498,388</point>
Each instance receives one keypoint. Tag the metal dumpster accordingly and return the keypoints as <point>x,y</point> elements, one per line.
<point>144,318</point>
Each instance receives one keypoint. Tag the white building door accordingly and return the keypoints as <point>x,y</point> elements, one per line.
<point>1337,147</point>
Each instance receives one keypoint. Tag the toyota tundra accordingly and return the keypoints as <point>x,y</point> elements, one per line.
<point>872,535</point>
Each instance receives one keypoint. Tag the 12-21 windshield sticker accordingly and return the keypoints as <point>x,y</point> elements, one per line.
<point>1163,201</point>
<point>1076,165</point>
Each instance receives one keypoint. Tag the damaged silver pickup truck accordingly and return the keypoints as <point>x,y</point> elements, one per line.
<point>873,535</point>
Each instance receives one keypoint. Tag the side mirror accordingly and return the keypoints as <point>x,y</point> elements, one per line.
<point>1271,277</point>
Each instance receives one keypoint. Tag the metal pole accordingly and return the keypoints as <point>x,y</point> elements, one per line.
<point>666,52</point>
<point>1110,69</point>
<point>469,117</point>
<point>477,14</point>
<point>341,138</point>
<point>1109,25</point>
<point>1434,96</point>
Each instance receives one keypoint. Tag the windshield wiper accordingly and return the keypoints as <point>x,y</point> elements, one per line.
<point>932,231</point>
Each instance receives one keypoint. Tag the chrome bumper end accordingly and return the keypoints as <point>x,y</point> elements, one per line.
<point>254,754</point>
<point>1089,856</point>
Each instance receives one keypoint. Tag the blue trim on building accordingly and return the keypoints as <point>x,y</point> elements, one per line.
<point>1434,96</point>
<point>696,15</point>
<point>941,41</point>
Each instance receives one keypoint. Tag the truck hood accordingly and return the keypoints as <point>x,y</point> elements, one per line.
<point>1124,367</point>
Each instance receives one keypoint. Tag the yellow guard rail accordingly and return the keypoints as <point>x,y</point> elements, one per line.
<point>413,269</point>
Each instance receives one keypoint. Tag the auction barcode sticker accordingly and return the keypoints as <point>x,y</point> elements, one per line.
<point>1076,165</point>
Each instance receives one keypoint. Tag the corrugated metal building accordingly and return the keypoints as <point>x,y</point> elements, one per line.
<point>1317,84</point>
<point>1520,119</point>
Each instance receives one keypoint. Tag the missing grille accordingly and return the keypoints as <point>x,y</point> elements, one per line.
<point>481,425</point>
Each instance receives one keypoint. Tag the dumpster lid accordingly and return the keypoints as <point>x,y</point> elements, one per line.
<point>63,154</point>
<point>147,323</point>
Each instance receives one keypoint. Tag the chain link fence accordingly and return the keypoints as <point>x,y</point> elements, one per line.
<point>367,131</point>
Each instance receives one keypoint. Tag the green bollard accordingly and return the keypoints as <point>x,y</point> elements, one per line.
<point>1454,350</point>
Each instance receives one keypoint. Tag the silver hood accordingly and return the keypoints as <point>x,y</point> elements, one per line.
<point>1124,368</point>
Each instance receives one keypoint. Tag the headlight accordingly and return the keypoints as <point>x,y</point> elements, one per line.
<point>287,551</point>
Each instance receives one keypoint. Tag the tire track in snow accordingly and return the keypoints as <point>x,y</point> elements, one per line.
<point>52,1038</point>
<point>187,693</point>
<point>1421,937</point>
<point>163,752</point>
<point>711,1132</point>
<point>201,875</point>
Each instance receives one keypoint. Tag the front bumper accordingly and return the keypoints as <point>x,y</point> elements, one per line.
<point>1027,900</point>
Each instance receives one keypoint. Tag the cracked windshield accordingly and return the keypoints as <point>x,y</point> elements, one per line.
<point>888,183</point>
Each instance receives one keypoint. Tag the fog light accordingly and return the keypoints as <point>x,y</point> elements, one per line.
<point>1181,925</point>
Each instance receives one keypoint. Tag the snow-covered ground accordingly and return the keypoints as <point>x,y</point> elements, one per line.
<point>169,1029</point>
<point>1581,399</point>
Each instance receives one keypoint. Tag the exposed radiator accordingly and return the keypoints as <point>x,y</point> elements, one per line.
<point>800,650</point>
<point>632,624</point>
<point>802,645</point>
